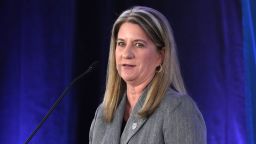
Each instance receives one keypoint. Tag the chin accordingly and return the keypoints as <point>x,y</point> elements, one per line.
<point>128,79</point>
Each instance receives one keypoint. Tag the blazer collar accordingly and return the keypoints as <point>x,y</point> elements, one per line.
<point>135,122</point>
<point>114,128</point>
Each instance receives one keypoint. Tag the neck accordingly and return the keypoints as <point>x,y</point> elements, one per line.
<point>134,92</point>
<point>133,95</point>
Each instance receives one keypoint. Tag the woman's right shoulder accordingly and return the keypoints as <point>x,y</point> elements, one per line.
<point>98,126</point>
<point>99,111</point>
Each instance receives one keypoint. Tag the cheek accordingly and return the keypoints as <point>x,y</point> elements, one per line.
<point>116,55</point>
<point>152,59</point>
<point>117,58</point>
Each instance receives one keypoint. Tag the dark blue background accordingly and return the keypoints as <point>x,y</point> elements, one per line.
<point>44,44</point>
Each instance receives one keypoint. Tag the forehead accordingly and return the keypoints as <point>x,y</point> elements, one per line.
<point>132,31</point>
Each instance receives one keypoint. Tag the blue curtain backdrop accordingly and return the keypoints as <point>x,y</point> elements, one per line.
<point>36,41</point>
<point>211,53</point>
<point>249,26</point>
<point>46,43</point>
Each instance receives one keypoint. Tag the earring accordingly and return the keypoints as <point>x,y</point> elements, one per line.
<point>159,69</point>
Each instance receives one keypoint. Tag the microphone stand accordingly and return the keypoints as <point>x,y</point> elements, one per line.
<point>59,100</point>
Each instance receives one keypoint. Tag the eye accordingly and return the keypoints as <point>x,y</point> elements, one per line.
<point>120,43</point>
<point>139,45</point>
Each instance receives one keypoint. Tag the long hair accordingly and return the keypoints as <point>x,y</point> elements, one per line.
<point>158,29</point>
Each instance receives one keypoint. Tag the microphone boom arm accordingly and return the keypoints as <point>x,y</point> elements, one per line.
<point>59,100</point>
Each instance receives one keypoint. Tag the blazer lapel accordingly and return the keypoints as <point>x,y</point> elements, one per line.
<point>114,128</point>
<point>135,122</point>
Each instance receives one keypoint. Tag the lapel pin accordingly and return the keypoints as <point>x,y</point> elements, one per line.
<point>134,125</point>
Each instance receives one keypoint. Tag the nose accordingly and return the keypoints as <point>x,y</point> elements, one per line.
<point>128,52</point>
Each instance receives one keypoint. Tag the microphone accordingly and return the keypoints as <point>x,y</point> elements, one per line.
<point>91,67</point>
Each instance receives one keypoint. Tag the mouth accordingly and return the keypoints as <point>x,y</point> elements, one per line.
<point>128,65</point>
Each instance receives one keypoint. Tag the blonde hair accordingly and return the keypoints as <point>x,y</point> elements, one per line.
<point>157,27</point>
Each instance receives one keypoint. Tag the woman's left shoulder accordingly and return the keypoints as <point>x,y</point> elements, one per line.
<point>182,116</point>
<point>174,100</point>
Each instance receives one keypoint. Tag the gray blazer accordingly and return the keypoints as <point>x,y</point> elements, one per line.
<point>177,120</point>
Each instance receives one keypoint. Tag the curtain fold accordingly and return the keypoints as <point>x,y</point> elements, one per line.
<point>36,64</point>
<point>249,34</point>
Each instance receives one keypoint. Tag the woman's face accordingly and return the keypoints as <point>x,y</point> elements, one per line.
<point>136,55</point>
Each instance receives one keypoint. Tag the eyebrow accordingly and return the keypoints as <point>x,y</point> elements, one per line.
<point>119,39</point>
<point>140,40</point>
<point>136,40</point>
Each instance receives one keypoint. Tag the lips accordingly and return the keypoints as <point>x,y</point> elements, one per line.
<point>128,65</point>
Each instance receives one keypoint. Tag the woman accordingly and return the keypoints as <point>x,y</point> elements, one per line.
<point>145,101</point>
